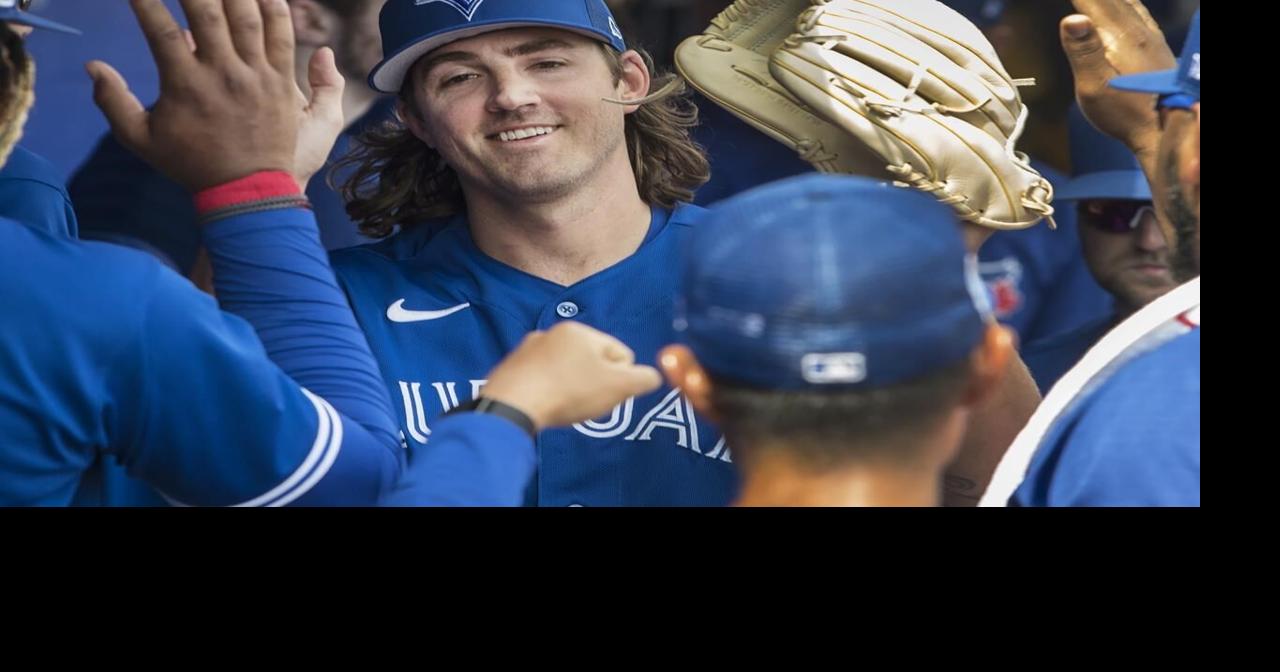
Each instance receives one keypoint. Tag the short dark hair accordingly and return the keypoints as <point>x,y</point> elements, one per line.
<point>835,428</point>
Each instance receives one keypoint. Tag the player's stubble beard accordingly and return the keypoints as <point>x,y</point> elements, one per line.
<point>1186,226</point>
<point>569,170</point>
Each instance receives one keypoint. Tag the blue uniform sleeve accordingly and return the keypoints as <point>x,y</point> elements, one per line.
<point>472,460</point>
<point>271,272</point>
<point>199,411</point>
<point>1135,441</point>
<point>270,269</point>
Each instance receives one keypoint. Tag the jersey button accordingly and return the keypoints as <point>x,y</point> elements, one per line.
<point>567,309</point>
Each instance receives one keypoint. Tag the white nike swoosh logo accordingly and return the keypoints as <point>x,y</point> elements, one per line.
<point>397,312</point>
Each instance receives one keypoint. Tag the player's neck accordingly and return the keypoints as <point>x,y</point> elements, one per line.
<point>570,238</point>
<point>774,479</point>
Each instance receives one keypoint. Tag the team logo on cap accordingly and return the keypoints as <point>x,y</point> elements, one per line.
<point>833,367</point>
<point>465,7</point>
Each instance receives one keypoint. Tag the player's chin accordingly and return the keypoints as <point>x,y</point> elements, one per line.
<point>1150,275</point>
<point>535,187</point>
<point>1147,290</point>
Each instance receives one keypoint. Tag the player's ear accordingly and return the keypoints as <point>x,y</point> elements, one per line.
<point>683,372</point>
<point>635,79</point>
<point>990,363</point>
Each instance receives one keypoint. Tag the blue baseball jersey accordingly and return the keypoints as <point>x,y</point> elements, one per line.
<point>1038,278</point>
<point>123,200</point>
<point>119,373</point>
<point>106,354</point>
<point>1048,359</point>
<point>439,314</point>
<point>32,193</point>
<point>741,157</point>
<point>1131,436</point>
<point>475,460</point>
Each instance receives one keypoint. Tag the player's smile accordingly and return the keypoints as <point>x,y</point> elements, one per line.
<point>524,135</point>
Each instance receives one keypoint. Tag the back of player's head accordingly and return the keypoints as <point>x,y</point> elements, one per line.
<point>832,310</point>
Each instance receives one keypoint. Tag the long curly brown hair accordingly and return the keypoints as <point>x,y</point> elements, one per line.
<point>394,179</point>
<point>17,89</point>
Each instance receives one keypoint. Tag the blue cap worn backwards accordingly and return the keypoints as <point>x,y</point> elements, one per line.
<point>412,28</point>
<point>821,281</point>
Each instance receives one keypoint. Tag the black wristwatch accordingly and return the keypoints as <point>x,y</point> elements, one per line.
<point>484,404</point>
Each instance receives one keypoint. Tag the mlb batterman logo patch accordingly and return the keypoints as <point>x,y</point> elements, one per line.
<point>465,7</point>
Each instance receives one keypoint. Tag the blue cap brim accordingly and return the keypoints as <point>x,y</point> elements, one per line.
<point>1162,82</point>
<point>34,21</point>
<point>1113,184</point>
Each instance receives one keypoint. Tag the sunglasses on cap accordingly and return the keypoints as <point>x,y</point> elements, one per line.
<point>1116,216</point>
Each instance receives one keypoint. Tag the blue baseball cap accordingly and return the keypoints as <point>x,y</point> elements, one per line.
<point>824,282</point>
<point>1181,84</point>
<point>983,13</point>
<point>412,28</point>
<point>14,11</point>
<point>1101,166</point>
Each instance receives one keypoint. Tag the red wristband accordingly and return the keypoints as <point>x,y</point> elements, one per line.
<point>266,185</point>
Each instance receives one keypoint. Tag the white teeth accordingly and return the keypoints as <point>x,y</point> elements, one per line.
<point>522,133</point>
